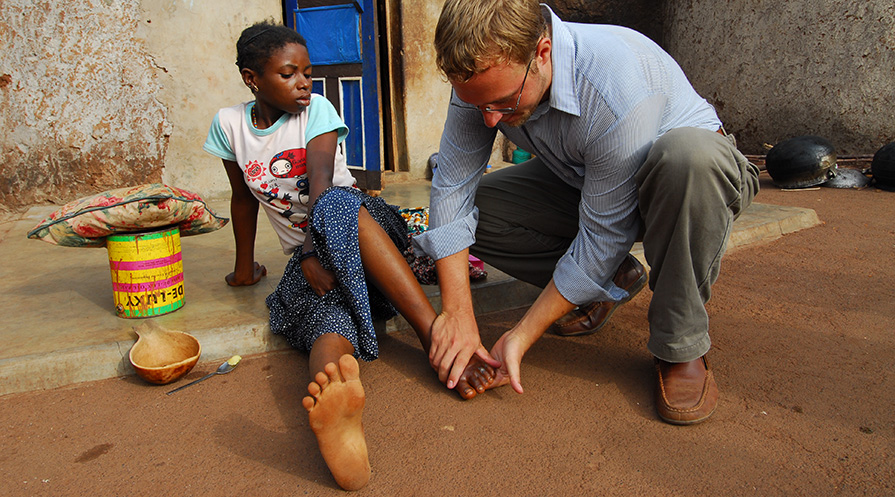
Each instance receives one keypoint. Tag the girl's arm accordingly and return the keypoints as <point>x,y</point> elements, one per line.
<point>244,216</point>
<point>321,158</point>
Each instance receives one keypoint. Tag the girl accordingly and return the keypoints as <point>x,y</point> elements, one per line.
<point>282,151</point>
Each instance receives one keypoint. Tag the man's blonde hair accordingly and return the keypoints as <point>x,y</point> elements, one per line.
<point>473,35</point>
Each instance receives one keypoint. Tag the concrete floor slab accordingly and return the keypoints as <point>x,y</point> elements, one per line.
<point>60,325</point>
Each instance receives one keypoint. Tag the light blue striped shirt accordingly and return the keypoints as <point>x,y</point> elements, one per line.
<point>613,92</point>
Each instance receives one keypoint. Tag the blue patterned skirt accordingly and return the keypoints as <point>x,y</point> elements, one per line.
<point>302,316</point>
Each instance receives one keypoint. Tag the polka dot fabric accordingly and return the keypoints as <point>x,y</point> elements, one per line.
<point>297,313</point>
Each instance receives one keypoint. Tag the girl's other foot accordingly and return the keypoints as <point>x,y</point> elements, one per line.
<point>335,406</point>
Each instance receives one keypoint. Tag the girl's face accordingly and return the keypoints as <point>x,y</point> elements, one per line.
<point>286,82</point>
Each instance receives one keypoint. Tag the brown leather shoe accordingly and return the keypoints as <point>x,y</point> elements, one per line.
<point>682,398</point>
<point>588,318</point>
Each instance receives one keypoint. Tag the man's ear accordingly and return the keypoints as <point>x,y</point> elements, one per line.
<point>544,50</point>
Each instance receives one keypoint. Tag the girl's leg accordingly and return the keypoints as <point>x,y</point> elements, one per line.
<point>335,406</point>
<point>388,270</point>
<point>328,349</point>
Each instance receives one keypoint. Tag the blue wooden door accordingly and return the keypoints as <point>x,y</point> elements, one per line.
<point>341,37</point>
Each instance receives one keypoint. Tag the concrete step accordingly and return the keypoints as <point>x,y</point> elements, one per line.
<point>61,328</point>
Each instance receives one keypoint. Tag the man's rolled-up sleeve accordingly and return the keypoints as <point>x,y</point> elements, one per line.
<point>462,157</point>
<point>448,239</point>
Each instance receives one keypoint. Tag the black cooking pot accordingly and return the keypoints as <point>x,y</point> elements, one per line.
<point>883,166</point>
<point>801,162</point>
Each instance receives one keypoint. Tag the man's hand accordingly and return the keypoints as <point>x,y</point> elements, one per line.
<point>509,351</point>
<point>510,348</point>
<point>320,279</point>
<point>259,272</point>
<point>455,339</point>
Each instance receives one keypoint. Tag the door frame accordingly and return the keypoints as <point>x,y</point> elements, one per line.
<point>370,176</point>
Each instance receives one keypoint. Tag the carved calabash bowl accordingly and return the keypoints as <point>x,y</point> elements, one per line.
<point>161,356</point>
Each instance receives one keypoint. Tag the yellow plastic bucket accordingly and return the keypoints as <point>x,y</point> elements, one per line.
<point>147,272</point>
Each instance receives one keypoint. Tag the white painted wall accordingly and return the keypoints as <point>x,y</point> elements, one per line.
<point>193,43</point>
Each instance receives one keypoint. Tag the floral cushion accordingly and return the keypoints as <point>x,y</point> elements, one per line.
<point>86,222</point>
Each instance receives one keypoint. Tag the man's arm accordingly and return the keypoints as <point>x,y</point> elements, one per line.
<point>607,228</point>
<point>455,333</point>
<point>608,216</point>
<point>509,349</point>
<point>463,153</point>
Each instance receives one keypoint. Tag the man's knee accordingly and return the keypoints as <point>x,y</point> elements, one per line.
<point>684,156</point>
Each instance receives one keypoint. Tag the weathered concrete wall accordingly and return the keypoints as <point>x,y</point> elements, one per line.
<point>98,94</point>
<point>775,69</point>
<point>772,69</point>
<point>642,15</point>
<point>426,93</point>
<point>78,100</point>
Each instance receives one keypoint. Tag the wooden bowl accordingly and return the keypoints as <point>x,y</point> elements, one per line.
<point>161,356</point>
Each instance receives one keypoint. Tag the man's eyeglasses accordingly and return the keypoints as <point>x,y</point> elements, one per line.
<point>512,110</point>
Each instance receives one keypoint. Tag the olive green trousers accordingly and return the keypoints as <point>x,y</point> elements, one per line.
<point>692,186</point>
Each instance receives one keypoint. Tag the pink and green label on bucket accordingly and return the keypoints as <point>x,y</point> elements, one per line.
<point>147,272</point>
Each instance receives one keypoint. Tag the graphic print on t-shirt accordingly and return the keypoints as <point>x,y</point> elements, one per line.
<point>287,179</point>
<point>292,164</point>
<point>254,171</point>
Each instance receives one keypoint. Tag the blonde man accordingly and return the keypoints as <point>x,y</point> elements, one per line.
<point>624,149</point>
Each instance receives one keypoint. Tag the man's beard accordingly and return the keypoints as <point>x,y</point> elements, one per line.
<point>520,119</point>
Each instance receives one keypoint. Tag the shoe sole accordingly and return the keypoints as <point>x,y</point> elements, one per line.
<point>678,422</point>
<point>633,290</point>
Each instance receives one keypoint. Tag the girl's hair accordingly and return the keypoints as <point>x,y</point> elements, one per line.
<point>472,35</point>
<point>259,41</point>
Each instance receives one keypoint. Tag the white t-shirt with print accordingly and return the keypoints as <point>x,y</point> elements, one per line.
<point>273,160</point>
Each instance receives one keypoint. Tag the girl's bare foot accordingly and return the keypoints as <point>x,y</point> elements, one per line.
<point>335,406</point>
<point>476,378</point>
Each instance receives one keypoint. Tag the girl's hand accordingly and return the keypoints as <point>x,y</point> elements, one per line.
<point>320,279</point>
<point>240,280</point>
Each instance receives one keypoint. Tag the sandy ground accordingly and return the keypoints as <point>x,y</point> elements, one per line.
<point>804,352</point>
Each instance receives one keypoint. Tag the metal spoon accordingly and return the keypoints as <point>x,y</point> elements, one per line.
<point>222,369</point>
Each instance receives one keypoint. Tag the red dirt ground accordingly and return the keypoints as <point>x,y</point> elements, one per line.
<point>804,352</point>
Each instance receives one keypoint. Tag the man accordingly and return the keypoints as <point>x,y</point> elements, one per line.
<point>624,149</point>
